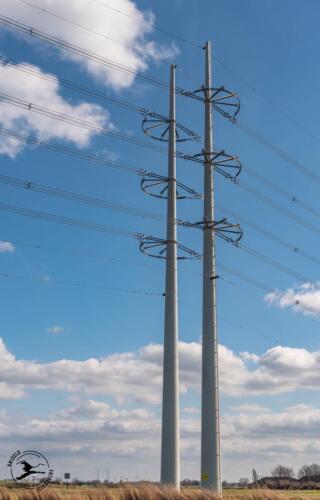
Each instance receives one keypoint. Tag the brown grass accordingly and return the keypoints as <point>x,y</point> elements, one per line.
<point>146,492</point>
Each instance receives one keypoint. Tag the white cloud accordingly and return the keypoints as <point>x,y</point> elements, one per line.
<point>47,94</point>
<point>250,408</point>
<point>190,410</point>
<point>134,50</point>
<point>302,298</point>
<point>6,247</point>
<point>91,431</point>
<point>56,329</point>
<point>137,376</point>
<point>87,428</point>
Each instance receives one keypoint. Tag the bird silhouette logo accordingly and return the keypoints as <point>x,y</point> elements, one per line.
<point>30,469</point>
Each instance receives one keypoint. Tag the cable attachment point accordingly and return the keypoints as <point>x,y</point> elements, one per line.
<point>223,101</point>
<point>157,127</point>
<point>227,165</point>
<point>157,185</point>
<point>157,247</point>
<point>232,233</point>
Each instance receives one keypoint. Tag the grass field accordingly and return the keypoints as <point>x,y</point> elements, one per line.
<point>147,492</point>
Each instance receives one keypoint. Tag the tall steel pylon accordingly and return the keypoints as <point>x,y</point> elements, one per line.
<point>227,104</point>
<point>170,438</point>
<point>210,411</point>
<point>167,129</point>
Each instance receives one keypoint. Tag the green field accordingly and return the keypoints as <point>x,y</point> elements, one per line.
<point>147,492</point>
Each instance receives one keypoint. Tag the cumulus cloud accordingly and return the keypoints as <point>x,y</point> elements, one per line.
<point>47,94</point>
<point>249,408</point>
<point>269,437</point>
<point>56,329</point>
<point>95,430</point>
<point>85,429</point>
<point>303,298</point>
<point>6,247</point>
<point>137,376</point>
<point>132,47</point>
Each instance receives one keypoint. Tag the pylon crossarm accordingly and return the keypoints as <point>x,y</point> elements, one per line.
<point>225,164</point>
<point>157,185</point>
<point>157,127</point>
<point>157,248</point>
<point>223,101</point>
<point>232,233</point>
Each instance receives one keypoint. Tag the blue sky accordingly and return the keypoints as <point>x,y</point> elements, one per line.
<point>269,55</point>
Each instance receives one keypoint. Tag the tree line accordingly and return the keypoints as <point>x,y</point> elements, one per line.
<point>311,470</point>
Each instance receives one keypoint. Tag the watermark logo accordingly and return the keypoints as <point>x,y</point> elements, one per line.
<point>30,469</point>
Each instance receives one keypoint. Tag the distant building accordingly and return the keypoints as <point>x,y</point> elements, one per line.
<point>288,483</point>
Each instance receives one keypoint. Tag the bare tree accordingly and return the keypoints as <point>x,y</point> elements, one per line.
<point>309,470</point>
<point>255,477</point>
<point>282,471</point>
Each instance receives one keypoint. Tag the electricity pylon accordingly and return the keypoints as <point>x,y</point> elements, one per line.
<point>227,104</point>
<point>210,415</point>
<point>170,439</point>
<point>166,129</point>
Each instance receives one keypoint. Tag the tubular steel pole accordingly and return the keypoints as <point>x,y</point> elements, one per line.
<point>170,442</point>
<point>210,417</point>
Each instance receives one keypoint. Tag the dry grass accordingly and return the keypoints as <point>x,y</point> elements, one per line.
<point>147,492</point>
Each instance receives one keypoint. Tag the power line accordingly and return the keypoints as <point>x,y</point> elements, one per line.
<point>173,35</point>
<point>246,278</point>
<point>78,25</point>
<point>96,160</point>
<point>81,254</point>
<point>63,44</point>
<point>99,129</point>
<point>24,103</point>
<point>98,287</point>
<point>29,30</point>
<point>92,226</point>
<point>107,37</point>
<point>278,151</point>
<point>234,272</point>
<point>81,198</point>
<point>154,25</point>
<point>222,63</point>
<point>109,205</point>
<point>73,120</point>
<point>285,113</point>
<point>88,125</point>
<point>284,211</point>
<point>59,148</point>
<point>269,234</point>
<point>181,39</point>
<point>141,110</point>
<point>12,181</point>
<point>36,214</point>
<point>26,68</point>
<point>122,261</point>
<point>76,284</point>
<point>26,2</point>
<point>284,193</point>
<point>125,209</point>
<point>227,269</point>
<point>243,126</point>
<point>138,171</point>
<point>254,282</point>
<point>271,262</point>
